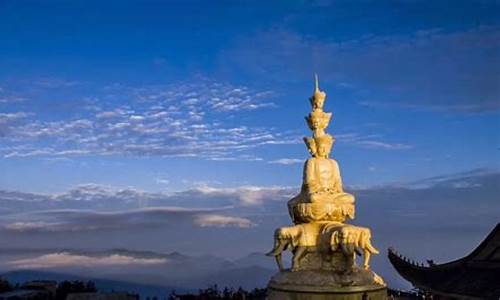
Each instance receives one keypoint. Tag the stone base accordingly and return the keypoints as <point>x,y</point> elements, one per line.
<point>318,285</point>
<point>273,294</point>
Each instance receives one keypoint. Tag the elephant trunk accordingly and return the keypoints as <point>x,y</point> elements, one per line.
<point>370,248</point>
<point>345,248</point>
<point>277,248</point>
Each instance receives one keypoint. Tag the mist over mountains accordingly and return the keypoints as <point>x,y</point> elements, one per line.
<point>216,233</point>
<point>144,272</point>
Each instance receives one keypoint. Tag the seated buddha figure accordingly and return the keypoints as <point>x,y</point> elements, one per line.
<point>321,180</point>
<point>322,189</point>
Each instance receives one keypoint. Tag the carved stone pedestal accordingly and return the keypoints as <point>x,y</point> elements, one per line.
<point>321,285</point>
<point>274,294</point>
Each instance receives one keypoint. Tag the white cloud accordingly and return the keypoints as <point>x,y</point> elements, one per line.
<point>370,142</point>
<point>248,195</point>
<point>162,181</point>
<point>108,199</point>
<point>286,161</point>
<point>186,119</point>
<point>461,180</point>
<point>9,117</point>
<point>74,220</point>
<point>94,207</point>
<point>32,226</point>
<point>222,221</point>
<point>383,145</point>
<point>64,259</point>
<point>9,97</point>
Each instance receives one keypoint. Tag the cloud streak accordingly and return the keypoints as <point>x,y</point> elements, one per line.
<point>370,142</point>
<point>75,220</point>
<point>222,221</point>
<point>286,161</point>
<point>407,215</point>
<point>65,259</point>
<point>94,207</point>
<point>443,71</point>
<point>187,119</point>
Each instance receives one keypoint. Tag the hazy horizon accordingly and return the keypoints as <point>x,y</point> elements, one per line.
<point>177,126</point>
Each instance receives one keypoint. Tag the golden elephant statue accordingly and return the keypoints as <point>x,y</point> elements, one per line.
<point>352,240</point>
<point>299,239</point>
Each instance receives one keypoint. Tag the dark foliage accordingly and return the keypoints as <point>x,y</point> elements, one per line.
<point>5,286</point>
<point>67,287</point>
<point>214,293</point>
<point>413,294</point>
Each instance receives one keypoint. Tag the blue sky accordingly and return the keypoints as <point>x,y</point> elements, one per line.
<point>413,88</point>
<point>180,100</point>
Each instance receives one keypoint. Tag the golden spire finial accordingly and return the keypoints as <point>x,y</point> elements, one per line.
<point>316,85</point>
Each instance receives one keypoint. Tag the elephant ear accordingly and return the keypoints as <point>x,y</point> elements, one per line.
<point>334,241</point>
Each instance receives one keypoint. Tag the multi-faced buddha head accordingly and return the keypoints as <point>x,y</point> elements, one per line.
<point>318,120</point>
<point>324,145</point>
<point>320,146</point>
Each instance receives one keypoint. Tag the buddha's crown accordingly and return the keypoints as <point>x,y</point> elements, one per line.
<point>314,143</point>
<point>318,119</point>
<point>326,140</point>
<point>318,99</point>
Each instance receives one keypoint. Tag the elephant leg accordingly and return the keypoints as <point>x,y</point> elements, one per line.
<point>297,256</point>
<point>351,260</point>
<point>366,259</point>
<point>279,262</point>
<point>279,246</point>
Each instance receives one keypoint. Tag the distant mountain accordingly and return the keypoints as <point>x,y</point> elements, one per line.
<point>175,271</point>
<point>247,278</point>
<point>143,290</point>
<point>256,259</point>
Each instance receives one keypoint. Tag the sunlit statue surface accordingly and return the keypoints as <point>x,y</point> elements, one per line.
<point>324,247</point>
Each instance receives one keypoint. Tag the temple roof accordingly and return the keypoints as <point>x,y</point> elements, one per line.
<point>476,275</point>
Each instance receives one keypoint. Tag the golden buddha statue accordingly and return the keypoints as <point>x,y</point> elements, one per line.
<point>322,197</point>
<point>324,247</point>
